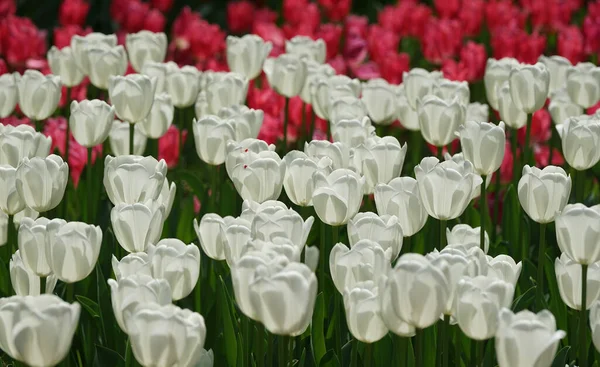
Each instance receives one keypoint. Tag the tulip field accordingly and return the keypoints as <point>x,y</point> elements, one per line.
<point>300,183</point>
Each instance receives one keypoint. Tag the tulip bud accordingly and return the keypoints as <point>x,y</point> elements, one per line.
<point>364,261</point>
<point>271,222</point>
<point>595,323</point>
<point>583,84</point>
<point>211,134</point>
<point>129,293</point>
<point>10,201</point>
<point>458,182</point>
<point>284,301</point>
<point>439,119</point>
<point>414,274</point>
<point>24,281</point>
<point>90,121</point>
<point>157,72</point>
<point>568,278</point>
<point>137,263</point>
<point>41,182</point>
<point>228,90</point>
<point>133,179</point>
<point>337,196</point>
<point>244,272</point>
<point>79,45</point>
<point>303,46</point>
<point>62,63</point>
<point>235,234</point>
<point>330,89</point>
<point>504,267</point>
<point>105,62</point>
<point>145,46</point>
<point>177,263</point>
<point>496,74</point>
<point>380,160</point>
<point>259,177</point>
<point>146,326</point>
<point>529,86</point>
<point>39,94</point>
<point>379,98</point>
<point>363,314</point>
<point>407,115</point>
<point>9,94</point>
<point>478,301</point>
<point>132,95</point>
<point>580,139</point>
<point>418,83</point>
<point>167,196</point>
<point>337,152</point>
<point>236,152</point>
<point>557,68</point>
<point>210,236</point>
<point>463,234</point>
<point>477,112</point>
<point>449,89</point>
<point>508,110</point>
<point>578,232</point>
<point>526,339</point>
<point>543,193</point>
<point>459,159</point>
<point>353,132</point>
<point>137,225</point>
<point>401,198</point>
<point>160,118</point>
<point>20,142</point>
<point>483,144</point>
<point>346,108</point>
<point>38,330</point>
<point>561,107</point>
<point>119,139</point>
<point>247,54</point>
<point>315,72</point>
<point>286,74</point>
<point>183,84</point>
<point>280,245</point>
<point>247,121</point>
<point>299,169</point>
<point>33,243</point>
<point>384,230</point>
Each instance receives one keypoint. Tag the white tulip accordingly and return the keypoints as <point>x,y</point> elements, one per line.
<point>62,63</point>
<point>39,94</point>
<point>509,112</point>
<point>132,95</point>
<point>352,132</point>
<point>160,118</point>
<point>331,88</point>
<point>305,46</point>
<point>580,138</point>
<point>365,261</point>
<point>79,46</point>
<point>237,152</point>
<point>118,138</point>
<point>384,230</point>
<point>346,108</point>
<point>569,276</point>
<point>41,182</point>
<point>315,72</point>
<point>496,74</point>
<point>247,121</point>
<point>464,234</point>
<point>91,121</point>
<point>136,263</point>
<point>337,152</point>
<point>561,107</point>
<point>543,193</point>
<point>247,54</point>
<point>259,177</point>
<point>286,74</point>
<point>183,84</point>
<point>105,62</point>
<point>449,89</point>
<point>337,196</point>
<point>133,179</point>
<point>483,144</point>
<point>439,119</point>
<point>138,225</point>
<point>407,115</point>
<point>228,90</point>
<point>380,160</point>
<point>299,169</point>
<point>504,267</point>
<point>401,198</point>
<point>583,84</point>
<point>363,314</point>
<point>10,200</point>
<point>557,67</point>
<point>145,46</point>
<point>9,94</point>
<point>379,98</point>
<point>418,83</point>
<point>24,281</point>
<point>529,86</point>
<point>211,135</point>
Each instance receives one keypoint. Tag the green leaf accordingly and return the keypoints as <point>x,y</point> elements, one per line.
<point>228,329</point>
<point>318,338</point>
<point>557,307</point>
<point>561,357</point>
<point>525,300</point>
<point>330,360</point>
<point>302,358</point>
<point>107,357</point>
<point>90,306</point>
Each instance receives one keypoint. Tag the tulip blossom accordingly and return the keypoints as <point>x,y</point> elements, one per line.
<point>569,276</point>
<point>580,137</point>
<point>136,235</point>
<point>246,55</point>
<point>578,232</point>
<point>133,179</point>
<point>9,94</point>
<point>104,63</point>
<point>384,230</point>
<point>299,169</point>
<point>380,160</point>
<point>62,63</point>
<point>286,74</point>
<point>145,46</point>
<point>131,264</point>
<point>160,118</point>
<point>330,89</point>
<point>41,182</point>
<point>91,121</point>
<point>38,94</point>
<point>529,86</point>
<point>259,177</point>
<point>337,196</point>
<point>543,193</point>
<point>305,46</point>
<point>132,96</point>
<point>583,84</point>
<point>483,145</point>
<point>24,281</point>
<point>118,139</point>
<point>363,315</point>
<point>176,262</point>
<point>496,74</point>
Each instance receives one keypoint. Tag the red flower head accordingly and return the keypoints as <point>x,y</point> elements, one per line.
<point>331,34</point>
<point>267,100</point>
<point>366,71</point>
<point>355,50</point>
<point>270,32</point>
<point>455,70</point>
<point>419,17</point>
<point>356,26</point>
<point>541,125</point>
<point>339,64</point>
<point>271,130</point>
<point>62,35</point>
<point>137,12</point>
<point>506,169</point>
<point>447,8</point>
<point>73,12</point>
<point>21,40</point>
<point>442,40</point>
<point>381,41</point>
<point>473,56</point>
<point>541,154</point>
<point>294,11</point>
<point>393,66</point>
<point>15,121</point>
<point>7,7</point>
<point>502,14</point>
<point>162,5</point>
<point>471,16</point>
<point>168,146</point>
<point>570,44</point>
<point>155,21</point>
<point>240,16</point>
<point>336,10</point>
<point>265,15</point>
<point>3,67</point>
<point>195,37</point>
<point>531,47</point>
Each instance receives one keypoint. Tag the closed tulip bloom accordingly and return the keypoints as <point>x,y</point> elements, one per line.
<point>580,137</point>
<point>133,179</point>
<point>406,114</point>
<point>418,83</point>
<point>136,263</point>
<point>285,300</point>
<point>483,144</point>
<point>136,226</point>
<point>458,182</point>
<point>363,314</point>
<point>247,54</point>
<point>595,323</point>
<point>129,293</point>
<point>259,177</point>
<point>280,245</point>
<point>305,46</point>
<point>496,74</point>
<point>337,196</point>
<point>176,262</point>
<point>330,89</point>
<point>557,68</point>
<point>568,278</point>
<point>271,222</point>
<point>401,198</point>
<point>251,208</point>
<point>583,84</point>
<point>509,112</point>
<point>39,94</point>
<point>449,89</point>
<point>211,134</point>
<point>315,72</point>
<point>286,74</point>
<point>20,142</point>
<point>157,72</point>
<point>578,232</point>
<point>299,169</point>
<point>10,201</point>
<point>33,243</point>
<point>384,230</point>
<point>415,292</point>
<point>561,107</point>
<point>346,108</point>
<point>379,98</point>
<point>463,234</point>
<point>210,236</point>
<point>145,46</point>
<point>526,339</point>
<point>72,249</point>
<point>477,112</point>
<point>160,118</point>
<point>504,267</point>
<point>154,345</point>
<point>62,63</point>
<point>119,139</point>
<point>529,86</point>
<point>79,45</point>
<point>24,281</point>
<point>237,152</point>
<point>365,261</point>
<point>183,84</point>
<point>132,95</point>
<point>229,90</point>
<point>338,152</point>
<point>439,119</point>
<point>380,160</point>
<point>104,63</point>
<point>235,234</point>
<point>543,193</point>
<point>9,94</point>
<point>37,330</point>
<point>352,132</point>
<point>478,301</point>
<point>247,121</point>
<point>460,160</point>
<point>90,121</point>
<point>167,196</point>
<point>41,182</point>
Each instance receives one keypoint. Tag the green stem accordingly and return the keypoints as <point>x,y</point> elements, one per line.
<point>482,213</point>
<point>11,238</point>
<point>304,127</point>
<point>443,224</point>
<point>247,338</point>
<point>131,136</point>
<point>473,352</point>
<point>322,256</point>
<point>270,351</point>
<point>37,124</point>
<point>283,351</point>
<point>580,186</point>
<point>89,185</point>
<point>527,149</point>
<point>515,146</point>
<point>541,261</point>
<point>457,346</point>
<point>285,122</point>
<point>583,318</point>
<point>329,130</point>
<point>260,341</point>
<point>368,362</point>
<point>445,340</point>
<point>214,189</point>
<point>440,153</point>
<point>400,349</point>
<point>198,291</point>
<point>354,356</point>
<point>70,292</point>
<point>128,354</point>
<point>43,285</point>
<point>496,206</point>
<point>406,245</point>
<point>551,143</point>
<point>419,347</point>
<point>68,116</point>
